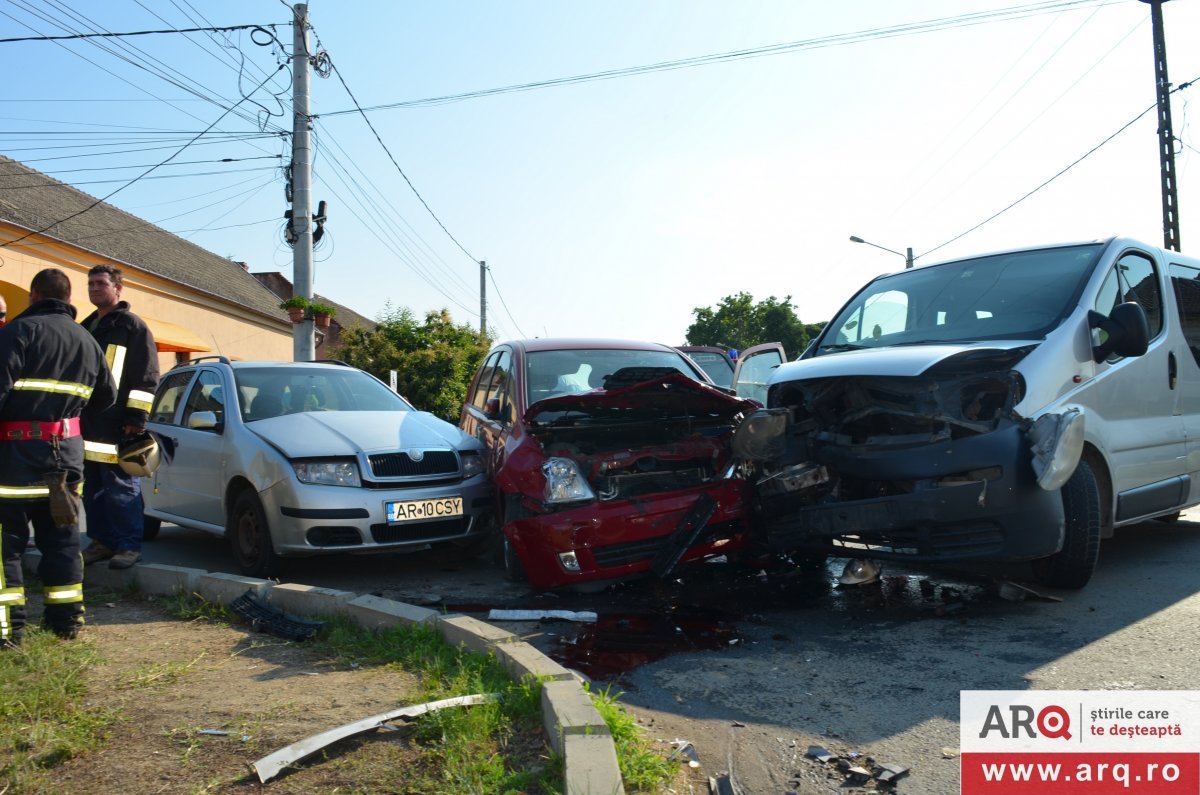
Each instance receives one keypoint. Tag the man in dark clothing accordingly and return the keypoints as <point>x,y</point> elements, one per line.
<point>112,498</point>
<point>51,372</point>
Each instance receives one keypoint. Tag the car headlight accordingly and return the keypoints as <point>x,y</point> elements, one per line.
<point>472,463</point>
<point>328,473</point>
<point>564,482</point>
<point>1057,446</point>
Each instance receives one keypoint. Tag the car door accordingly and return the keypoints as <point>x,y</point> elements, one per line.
<point>1139,399</point>
<point>199,465</point>
<point>753,369</point>
<point>1185,282</point>
<point>490,413</point>
<point>713,360</point>
<point>159,491</point>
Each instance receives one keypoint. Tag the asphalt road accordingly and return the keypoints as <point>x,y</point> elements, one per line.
<point>754,666</point>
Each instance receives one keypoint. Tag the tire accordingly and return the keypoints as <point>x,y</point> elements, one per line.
<point>1072,566</point>
<point>250,538</point>
<point>150,528</point>
<point>506,556</point>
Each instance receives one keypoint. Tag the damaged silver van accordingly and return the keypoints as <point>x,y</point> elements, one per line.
<point>1015,406</point>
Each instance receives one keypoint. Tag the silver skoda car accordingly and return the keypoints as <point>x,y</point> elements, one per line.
<point>291,459</point>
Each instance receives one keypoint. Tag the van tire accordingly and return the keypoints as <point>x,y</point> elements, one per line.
<point>150,528</point>
<point>1072,566</point>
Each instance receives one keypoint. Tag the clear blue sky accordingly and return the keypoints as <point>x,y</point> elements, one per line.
<point>616,207</point>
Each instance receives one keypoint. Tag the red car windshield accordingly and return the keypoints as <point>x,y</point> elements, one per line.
<point>570,372</point>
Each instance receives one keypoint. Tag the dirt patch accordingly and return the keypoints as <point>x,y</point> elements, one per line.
<point>200,702</point>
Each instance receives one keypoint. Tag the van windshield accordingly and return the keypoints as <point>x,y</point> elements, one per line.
<point>1018,295</point>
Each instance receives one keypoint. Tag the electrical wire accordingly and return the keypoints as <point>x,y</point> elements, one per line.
<point>504,303</point>
<point>106,35</point>
<point>126,185</point>
<point>833,40</point>
<point>1079,160</point>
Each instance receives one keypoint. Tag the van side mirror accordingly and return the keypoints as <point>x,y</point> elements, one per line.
<point>1127,328</point>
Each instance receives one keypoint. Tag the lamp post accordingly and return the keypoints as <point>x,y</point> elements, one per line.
<point>908,258</point>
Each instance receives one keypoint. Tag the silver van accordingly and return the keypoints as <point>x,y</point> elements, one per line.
<point>1015,406</point>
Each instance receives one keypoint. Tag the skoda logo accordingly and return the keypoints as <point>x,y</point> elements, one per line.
<point>416,456</point>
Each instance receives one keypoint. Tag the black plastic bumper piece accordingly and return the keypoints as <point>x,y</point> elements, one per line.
<point>275,622</point>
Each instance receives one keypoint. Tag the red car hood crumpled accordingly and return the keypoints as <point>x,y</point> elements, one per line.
<point>671,393</point>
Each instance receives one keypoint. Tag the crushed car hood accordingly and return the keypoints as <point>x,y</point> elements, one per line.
<point>672,394</point>
<point>325,434</point>
<point>893,360</point>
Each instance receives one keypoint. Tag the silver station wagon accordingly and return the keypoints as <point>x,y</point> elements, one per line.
<point>289,459</point>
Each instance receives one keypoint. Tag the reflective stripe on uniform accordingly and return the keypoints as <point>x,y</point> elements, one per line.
<point>12,596</point>
<point>115,356</point>
<point>63,594</point>
<point>47,385</point>
<point>99,451</point>
<point>139,400</point>
<point>23,492</point>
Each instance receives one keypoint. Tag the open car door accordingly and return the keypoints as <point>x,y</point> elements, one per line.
<point>753,367</point>
<point>713,360</point>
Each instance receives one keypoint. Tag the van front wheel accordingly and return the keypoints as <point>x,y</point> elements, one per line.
<point>1072,566</point>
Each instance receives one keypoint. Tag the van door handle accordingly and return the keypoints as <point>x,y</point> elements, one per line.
<point>1172,370</point>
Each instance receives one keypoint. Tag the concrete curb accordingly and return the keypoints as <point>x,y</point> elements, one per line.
<point>573,724</point>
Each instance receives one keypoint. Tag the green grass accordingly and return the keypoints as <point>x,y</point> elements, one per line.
<point>43,718</point>
<point>642,769</point>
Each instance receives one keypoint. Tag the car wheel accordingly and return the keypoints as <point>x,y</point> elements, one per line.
<point>150,528</point>
<point>1072,566</point>
<point>514,571</point>
<point>250,537</point>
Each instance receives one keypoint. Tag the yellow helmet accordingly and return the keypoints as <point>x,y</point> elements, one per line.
<point>139,454</point>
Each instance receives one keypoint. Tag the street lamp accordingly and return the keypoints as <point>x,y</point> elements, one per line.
<point>908,258</point>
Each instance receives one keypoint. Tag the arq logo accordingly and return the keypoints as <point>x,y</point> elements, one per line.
<point>1052,721</point>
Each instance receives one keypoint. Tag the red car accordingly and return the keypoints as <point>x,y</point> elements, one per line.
<point>611,459</point>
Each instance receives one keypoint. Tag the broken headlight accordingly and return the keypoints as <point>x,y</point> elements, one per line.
<point>761,436</point>
<point>1056,443</point>
<point>565,483</point>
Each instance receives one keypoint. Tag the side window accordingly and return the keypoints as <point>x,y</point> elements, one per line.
<point>1134,278</point>
<point>170,392</point>
<point>479,398</point>
<point>1187,297</point>
<point>500,389</point>
<point>208,394</point>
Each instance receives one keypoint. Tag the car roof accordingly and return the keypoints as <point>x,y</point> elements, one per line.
<point>585,343</point>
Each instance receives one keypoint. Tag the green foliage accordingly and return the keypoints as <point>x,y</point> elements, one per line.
<point>43,718</point>
<point>322,309</point>
<point>740,322</point>
<point>642,770</point>
<point>434,360</point>
<point>295,302</point>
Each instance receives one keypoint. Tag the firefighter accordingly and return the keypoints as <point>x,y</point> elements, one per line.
<point>112,497</point>
<point>51,372</point>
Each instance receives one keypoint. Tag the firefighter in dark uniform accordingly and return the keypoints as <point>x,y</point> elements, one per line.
<point>112,497</point>
<point>51,372</point>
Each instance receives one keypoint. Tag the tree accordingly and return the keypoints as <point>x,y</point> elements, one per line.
<point>738,322</point>
<point>434,361</point>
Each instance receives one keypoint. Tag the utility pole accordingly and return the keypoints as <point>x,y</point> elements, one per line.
<point>482,298</point>
<point>303,347</point>
<point>1166,135</point>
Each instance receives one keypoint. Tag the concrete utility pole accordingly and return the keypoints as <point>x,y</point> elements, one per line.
<point>482,298</point>
<point>1166,135</point>
<point>303,346</point>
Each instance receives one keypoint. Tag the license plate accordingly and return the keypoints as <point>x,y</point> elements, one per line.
<point>423,510</point>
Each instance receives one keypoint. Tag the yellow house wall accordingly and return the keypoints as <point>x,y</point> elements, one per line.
<point>228,328</point>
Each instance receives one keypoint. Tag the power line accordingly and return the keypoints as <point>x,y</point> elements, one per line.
<point>504,304</point>
<point>136,33</point>
<point>375,132</point>
<point>833,40</point>
<point>1085,156</point>
<point>132,181</point>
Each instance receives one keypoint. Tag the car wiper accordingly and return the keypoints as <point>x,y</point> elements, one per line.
<point>842,346</point>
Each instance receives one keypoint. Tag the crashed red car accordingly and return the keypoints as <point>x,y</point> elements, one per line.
<point>611,459</point>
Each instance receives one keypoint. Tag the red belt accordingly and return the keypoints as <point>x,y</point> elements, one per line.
<point>20,431</point>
